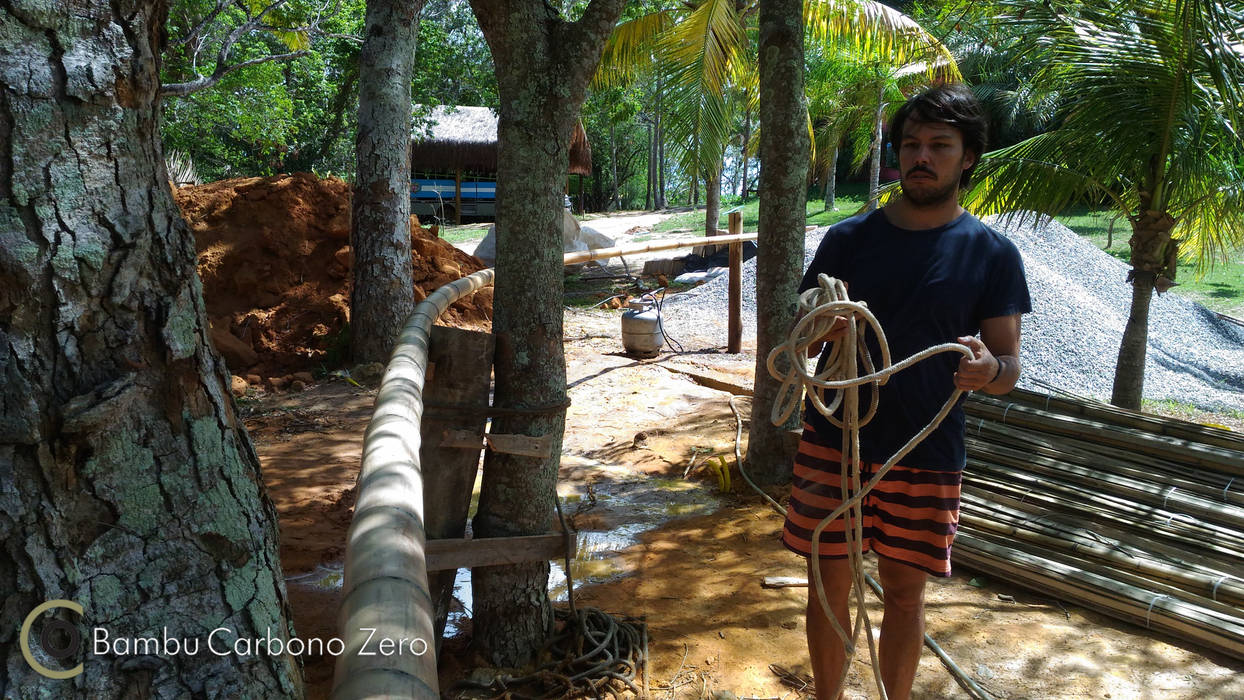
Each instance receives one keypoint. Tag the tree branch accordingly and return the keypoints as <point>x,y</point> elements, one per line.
<point>202,82</point>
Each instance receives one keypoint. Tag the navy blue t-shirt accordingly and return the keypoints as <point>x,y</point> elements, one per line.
<point>926,288</point>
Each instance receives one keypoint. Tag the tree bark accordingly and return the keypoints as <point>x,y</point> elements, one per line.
<point>712,200</point>
<point>1153,260</point>
<point>831,179</point>
<point>543,66</point>
<point>783,193</point>
<point>383,294</point>
<point>127,482</point>
<point>747,137</point>
<point>874,168</point>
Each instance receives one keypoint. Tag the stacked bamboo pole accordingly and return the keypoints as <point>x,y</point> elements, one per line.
<point>1135,516</point>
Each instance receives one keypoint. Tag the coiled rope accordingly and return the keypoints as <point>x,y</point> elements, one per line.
<point>841,375</point>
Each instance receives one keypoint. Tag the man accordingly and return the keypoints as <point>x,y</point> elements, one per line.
<point>931,273</point>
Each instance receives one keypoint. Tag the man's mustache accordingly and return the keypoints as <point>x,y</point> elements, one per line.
<point>921,169</point>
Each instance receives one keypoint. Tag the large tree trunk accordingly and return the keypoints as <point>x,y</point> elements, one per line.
<point>783,192</point>
<point>543,67</point>
<point>127,482</point>
<point>383,295</point>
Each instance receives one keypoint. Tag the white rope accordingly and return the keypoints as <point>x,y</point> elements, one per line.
<point>1148,612</point>
<point>1227,488</point>
<point>841,374</point>
<point>1167,496</point>
<point>1213,594</point>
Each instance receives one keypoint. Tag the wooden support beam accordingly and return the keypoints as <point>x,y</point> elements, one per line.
<point>443,555</point>
<point>734,336</point>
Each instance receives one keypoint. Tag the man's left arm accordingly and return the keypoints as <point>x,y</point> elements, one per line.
<point>995,367</point>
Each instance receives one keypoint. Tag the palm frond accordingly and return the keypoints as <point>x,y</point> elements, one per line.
<point>629,50</point>
<point>874,31</point>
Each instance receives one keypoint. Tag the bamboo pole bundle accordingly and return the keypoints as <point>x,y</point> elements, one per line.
<point>1180,616</point>
<point>1210,485</point>
<point>1027,486</point>
<point>1158,425</point>
<point>1106,480</point>
<point>1161,544</point>
<point>1129,514</point>
<point>1184,451</point>
<point>1215,585</point>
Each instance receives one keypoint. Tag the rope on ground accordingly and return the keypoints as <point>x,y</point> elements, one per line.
<point>616,649</point>
<point>841,374</point>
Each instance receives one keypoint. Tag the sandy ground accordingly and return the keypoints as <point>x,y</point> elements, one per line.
<point>633,430</point>
<point>663,541</point>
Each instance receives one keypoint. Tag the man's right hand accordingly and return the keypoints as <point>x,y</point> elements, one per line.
<point>837,329</point>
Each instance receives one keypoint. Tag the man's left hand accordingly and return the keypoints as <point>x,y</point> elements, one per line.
<point>974,373</point>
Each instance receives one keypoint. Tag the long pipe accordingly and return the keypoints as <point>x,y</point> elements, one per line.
<point>385,593</point>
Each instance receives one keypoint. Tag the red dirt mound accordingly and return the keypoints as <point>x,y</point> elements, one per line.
<point>274,258</point>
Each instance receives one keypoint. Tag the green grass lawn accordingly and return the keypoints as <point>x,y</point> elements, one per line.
<point>1220,288</point>
<point>465,232</point>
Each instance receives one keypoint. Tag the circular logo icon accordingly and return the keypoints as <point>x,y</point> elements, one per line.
<point>59,639</point>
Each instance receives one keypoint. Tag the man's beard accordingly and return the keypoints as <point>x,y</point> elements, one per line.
<point>929,198</point>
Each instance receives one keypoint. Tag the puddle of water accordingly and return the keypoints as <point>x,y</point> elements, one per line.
<point>328,577</point>
<point>626,504</point>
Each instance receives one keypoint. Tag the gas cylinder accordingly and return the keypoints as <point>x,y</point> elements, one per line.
<point>641,329</point>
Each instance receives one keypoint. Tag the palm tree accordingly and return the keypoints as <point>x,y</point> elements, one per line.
<point>1149,117</point>
<point>702,52</point>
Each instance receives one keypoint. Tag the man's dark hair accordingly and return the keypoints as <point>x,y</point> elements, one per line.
<point>951,104</point>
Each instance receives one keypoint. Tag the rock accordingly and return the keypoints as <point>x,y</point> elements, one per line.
<point>571,240</point>
<point>237,354</point>
<point>253,379</point>
<point>304,377</point>
<point>278,383</point>
<point>237,386</point>
<point>298,385</point>
<point>594,239</point>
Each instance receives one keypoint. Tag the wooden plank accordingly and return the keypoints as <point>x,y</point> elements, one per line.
<point>734,336</point>
<point>464,361</point>
<point>443,555</point>
<point>522,445</point>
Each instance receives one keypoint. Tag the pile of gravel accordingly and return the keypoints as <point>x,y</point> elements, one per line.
<point>1070,341</point>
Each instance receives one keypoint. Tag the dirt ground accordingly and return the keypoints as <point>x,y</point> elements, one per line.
<point>635,427</point>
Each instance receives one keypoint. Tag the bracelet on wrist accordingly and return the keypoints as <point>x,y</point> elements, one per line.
<point>996,374</point>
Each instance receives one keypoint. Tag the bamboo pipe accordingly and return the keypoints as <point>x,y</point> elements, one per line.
<point>601,253</point>
<point>385,594</point>
<point>386,587</point>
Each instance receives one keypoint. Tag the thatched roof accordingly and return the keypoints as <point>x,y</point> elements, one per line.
<point>466,138</point>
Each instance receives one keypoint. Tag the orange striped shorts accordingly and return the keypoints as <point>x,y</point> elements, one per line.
<point>911,516</point>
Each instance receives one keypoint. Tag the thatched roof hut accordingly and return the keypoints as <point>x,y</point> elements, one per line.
<point>465,138</point>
